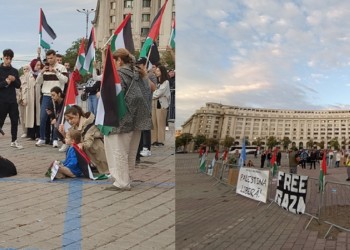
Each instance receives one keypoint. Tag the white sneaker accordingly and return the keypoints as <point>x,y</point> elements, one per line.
<point>24,135</point>
<point>55,144</point>
<point>63,148</point>
<point>40,143</point>
<point>16,144</point>
<point>145,152</point>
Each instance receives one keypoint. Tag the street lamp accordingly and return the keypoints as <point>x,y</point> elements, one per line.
<point>87,13</point>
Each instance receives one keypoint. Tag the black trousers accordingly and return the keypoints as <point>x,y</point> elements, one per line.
<point>10,109</point>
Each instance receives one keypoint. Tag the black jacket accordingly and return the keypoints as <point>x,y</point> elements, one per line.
<point>8,92</point>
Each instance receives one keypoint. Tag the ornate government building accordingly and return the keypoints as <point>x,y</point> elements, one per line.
<point>218,121</point>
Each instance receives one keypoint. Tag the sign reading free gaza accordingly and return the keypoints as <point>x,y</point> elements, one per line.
<point>291,192</point>
<point>253,183</point>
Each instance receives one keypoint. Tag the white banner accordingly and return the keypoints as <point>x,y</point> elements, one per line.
<point>253,183</point>
<point>291,192</point>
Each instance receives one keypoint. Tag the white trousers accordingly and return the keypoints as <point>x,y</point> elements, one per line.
<point>121,150</point>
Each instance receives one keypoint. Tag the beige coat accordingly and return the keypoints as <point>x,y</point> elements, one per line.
<point>30,94</point>
<point>93,144</point>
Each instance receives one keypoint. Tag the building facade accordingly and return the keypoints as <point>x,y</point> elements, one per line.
<point>110,13</point>
<point>300,126</point>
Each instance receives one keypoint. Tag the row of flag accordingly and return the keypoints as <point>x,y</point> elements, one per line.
<point>111,104</point>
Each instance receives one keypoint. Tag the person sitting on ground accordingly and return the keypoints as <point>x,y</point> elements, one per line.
<point>70,166</point>
<point>92,140</point>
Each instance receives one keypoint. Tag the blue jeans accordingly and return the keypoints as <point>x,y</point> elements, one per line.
<point>92,104</point>
<point>43,115</point>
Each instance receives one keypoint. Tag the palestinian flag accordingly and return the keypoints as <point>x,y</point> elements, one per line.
<point>112,97</point>
<point>172,36</point>
<point>202,164</point>
<point>212,165</point>
<point>323,171</point>
<point>90,53</point>
<point>274,163</point>
<point>154,32</point>
<point>122,37</point>
<point>81,58</point>
<point>46,33</point>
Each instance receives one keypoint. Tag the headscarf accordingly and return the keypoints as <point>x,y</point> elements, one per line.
<point>32,66</point>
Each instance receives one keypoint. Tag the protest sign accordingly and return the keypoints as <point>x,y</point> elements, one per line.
<point>291,192</point>
<point>253,183</point>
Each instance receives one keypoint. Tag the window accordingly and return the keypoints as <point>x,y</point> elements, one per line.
<point>146,3</point>
<point>128,3</point>
<point>112,19</point>
<point>113,5</point>
<point>144,31</point>
<point>146,17</point>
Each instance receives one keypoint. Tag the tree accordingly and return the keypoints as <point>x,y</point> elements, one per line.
<point>321,144</point>
<point>310,144</point>
<point>285,142</point>
<point>198,140</point>
<point>212,143</point>
<point>167,60</point>
<point>184,140</point>
<point>258,142</point>
<point>228,142</point>
<point>271,142</point>
<point>334,143</point>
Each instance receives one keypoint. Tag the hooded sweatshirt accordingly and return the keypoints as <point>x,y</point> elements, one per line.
<point>8,92</point>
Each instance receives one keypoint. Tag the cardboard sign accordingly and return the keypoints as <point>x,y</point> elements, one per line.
<point>253,183</point>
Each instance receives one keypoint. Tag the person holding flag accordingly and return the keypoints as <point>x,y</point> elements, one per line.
<point>122,127</point>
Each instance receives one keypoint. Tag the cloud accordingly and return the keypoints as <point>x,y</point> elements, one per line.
<point>247,53</point>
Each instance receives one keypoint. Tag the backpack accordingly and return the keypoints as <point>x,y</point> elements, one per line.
<point>7,168</point>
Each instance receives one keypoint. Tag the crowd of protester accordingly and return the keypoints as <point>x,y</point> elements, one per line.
<point>35,101</point>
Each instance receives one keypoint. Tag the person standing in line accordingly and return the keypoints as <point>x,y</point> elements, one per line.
<point>160,104</point>
<point>9,82</point>
<point>53,74</point>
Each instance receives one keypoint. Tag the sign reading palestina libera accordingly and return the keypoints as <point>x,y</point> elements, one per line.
<point>253,183</point>
<point>291,192</point>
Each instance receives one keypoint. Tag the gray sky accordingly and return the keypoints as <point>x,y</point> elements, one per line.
<point>270,54</point>
<point>20,25</point>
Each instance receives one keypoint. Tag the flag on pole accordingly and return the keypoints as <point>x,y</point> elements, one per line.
<point>323,171</point>
<point>202,165</point>
<point>212,165</point>
<point>122,37</point>
<point>46,33</point>
<point>274,162</point>
<point>172,35</point>
<point>111,106</point>
<point>154,32</point>
<point>90,53</point>
<point>81,58</point>
<point>243,156</point>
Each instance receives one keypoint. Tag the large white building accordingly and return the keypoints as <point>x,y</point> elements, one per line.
<point>110,13</point>
<point>300,126</point>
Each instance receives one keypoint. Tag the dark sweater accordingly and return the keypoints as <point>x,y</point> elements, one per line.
<point>8,92</point>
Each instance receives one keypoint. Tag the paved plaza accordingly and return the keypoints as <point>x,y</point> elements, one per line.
<point>209,215</point>
<point>78,213</point>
